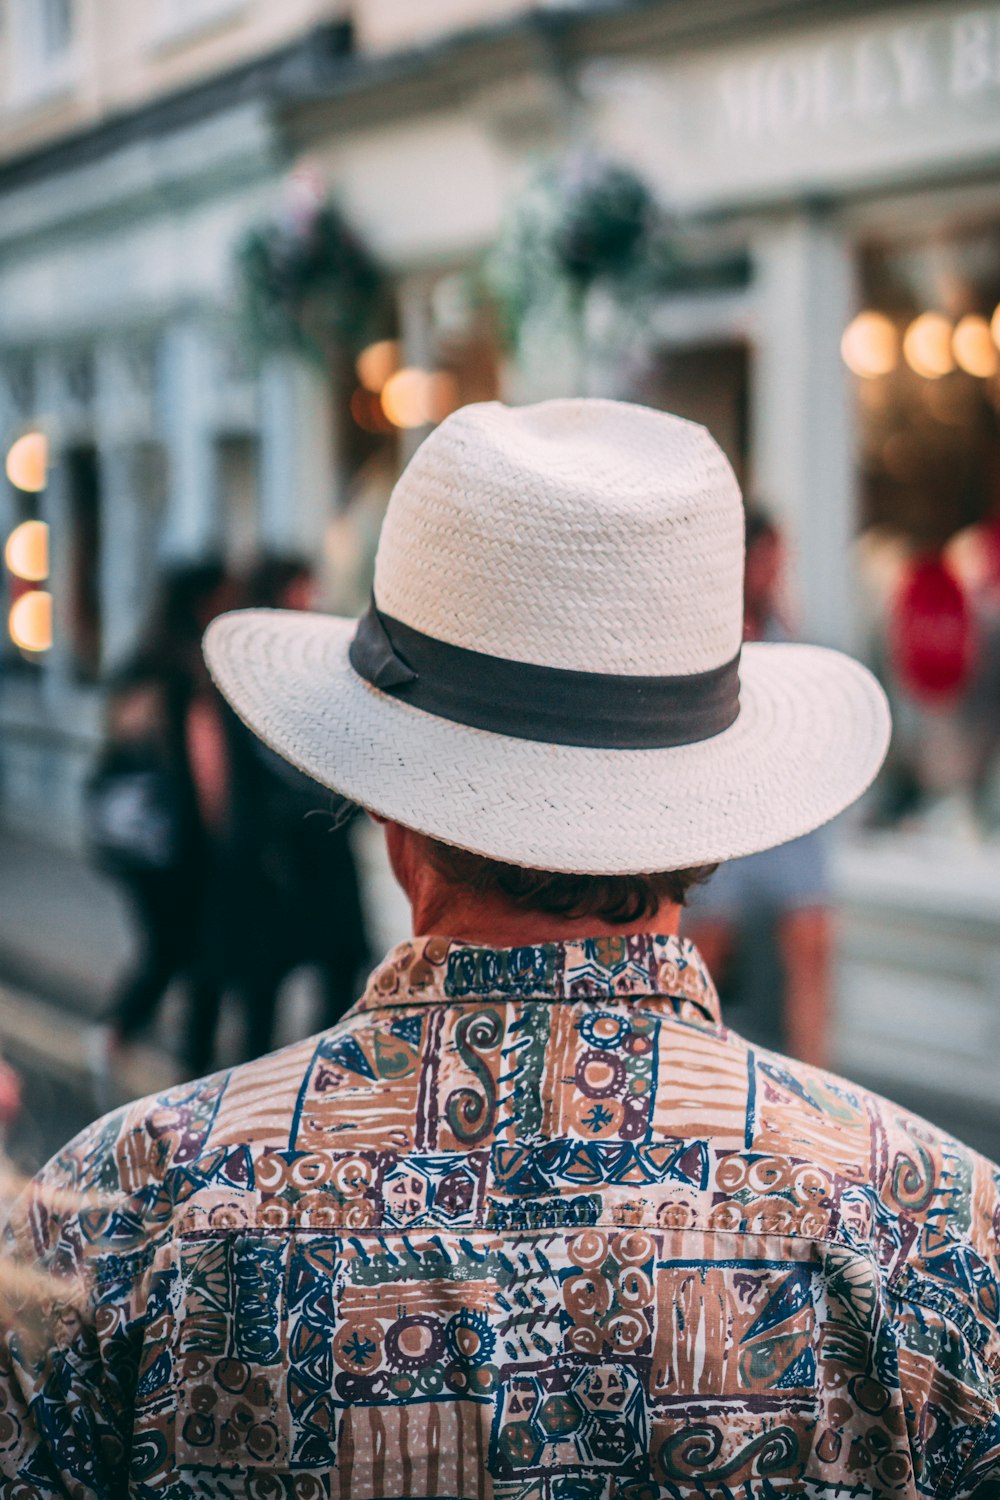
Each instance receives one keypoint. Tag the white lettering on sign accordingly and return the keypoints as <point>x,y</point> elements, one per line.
<point>861,79</point>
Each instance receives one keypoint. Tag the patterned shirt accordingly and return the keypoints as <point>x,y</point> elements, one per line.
<point>529,1223</point>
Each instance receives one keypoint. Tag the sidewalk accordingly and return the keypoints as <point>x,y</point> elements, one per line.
<point>65,939</point>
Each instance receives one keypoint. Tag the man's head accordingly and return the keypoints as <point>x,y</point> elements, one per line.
<point>551,669</point>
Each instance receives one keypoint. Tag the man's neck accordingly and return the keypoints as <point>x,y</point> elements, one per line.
<point>441,908</point>
<point>497,924</point>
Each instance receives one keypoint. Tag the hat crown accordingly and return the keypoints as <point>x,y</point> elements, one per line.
<point>585,534</point>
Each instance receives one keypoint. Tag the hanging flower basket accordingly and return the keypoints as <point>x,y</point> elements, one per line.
<point>307,282</point>
<point>587,224</point>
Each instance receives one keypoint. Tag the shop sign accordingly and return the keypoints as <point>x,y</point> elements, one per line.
<point>817,110</point>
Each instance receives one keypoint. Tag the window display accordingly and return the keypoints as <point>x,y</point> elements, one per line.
<point>925,352</point>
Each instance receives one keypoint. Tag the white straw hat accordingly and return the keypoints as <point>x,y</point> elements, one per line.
<point>550,673</point>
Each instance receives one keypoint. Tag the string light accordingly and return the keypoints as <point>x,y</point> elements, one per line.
<point>27,551</point>
<point>377,363</point>
<point>414,397</point>
<point>28,462</point>
<point>870,345</point>
<point>406,398</point>
<point>927,346</point>
<point>974,348</point>
<point>30,621</point>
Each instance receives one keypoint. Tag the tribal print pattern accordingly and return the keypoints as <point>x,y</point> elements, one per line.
<point>528,1224</point>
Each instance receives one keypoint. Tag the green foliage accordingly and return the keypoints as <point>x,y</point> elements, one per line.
<point>308,283</point>
<point>581,223</point>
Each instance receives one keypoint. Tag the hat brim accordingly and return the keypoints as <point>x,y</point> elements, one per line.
<point>812,731</point>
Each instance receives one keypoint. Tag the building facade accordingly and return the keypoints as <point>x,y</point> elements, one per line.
<point>849,152</point>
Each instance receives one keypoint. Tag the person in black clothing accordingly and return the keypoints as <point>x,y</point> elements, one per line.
<point>284,885</point>
<point>141,806</point>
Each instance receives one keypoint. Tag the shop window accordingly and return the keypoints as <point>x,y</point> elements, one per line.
<point>83,569</point>
<point>42,48</point>
<point>925,352</point>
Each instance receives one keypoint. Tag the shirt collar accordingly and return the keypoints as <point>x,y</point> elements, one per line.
<point>607,968</point>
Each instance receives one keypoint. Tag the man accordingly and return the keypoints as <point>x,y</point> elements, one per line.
<point>763,925</point>
<point>528,1222</point>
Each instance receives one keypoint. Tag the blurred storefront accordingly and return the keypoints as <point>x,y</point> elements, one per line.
<point>846,155</point>
<point>858,162</point>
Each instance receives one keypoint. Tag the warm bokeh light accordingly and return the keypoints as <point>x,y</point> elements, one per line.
<point>970,557</point>
<point>28,462</point>
<point>406,398</point>
<point>30,621</point>
<point>974,348</point>
<point>995,325</point>
<point>377,363</point>
<point>27,551</point>
<point>414,397</point>
<point>927,346</point>
<point>870,345</point>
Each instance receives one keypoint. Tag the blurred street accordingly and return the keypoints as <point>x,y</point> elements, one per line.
<point>64,940</point>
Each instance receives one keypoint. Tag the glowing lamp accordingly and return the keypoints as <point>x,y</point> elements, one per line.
<point>974,348</point>
<point>28,462</point>
<point>30,621</point>
<point>376,363</point>
<point>869,345</point>
<point>27,551</point>
<point>927,346</point>
<point>406,397</point>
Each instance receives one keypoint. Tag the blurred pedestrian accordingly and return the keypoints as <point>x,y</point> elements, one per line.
<point>763,923</point>
<point>292,895</point>
<point>144,823</point>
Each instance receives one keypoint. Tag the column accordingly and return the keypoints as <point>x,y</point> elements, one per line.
<point>124,589</point>
<point>802,418</point>
<point>129,503</point>
<point>416,337</point>
<point>298,457</point>
<point>192,521</point>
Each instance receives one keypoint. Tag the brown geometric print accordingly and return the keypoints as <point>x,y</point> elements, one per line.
<point>529,1223</point>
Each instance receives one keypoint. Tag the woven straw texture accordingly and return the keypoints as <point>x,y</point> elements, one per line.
<point>584,534</point>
